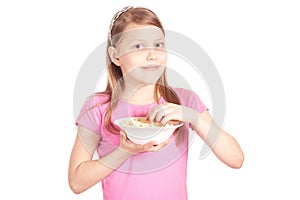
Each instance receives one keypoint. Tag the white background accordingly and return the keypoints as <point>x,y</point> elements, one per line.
<point>254,45</point>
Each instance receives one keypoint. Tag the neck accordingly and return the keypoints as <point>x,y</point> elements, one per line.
<point>139,95</point>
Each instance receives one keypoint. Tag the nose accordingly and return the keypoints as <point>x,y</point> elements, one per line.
<point>151,55</point>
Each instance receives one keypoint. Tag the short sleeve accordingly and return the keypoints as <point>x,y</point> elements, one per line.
<point>190,99</point>
<point>90,115</point>
<point>196,103</point>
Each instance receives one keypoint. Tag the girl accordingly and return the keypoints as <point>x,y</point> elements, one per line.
<point>137,86</point>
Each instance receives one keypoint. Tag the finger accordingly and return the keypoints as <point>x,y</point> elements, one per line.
<point>148,145</point>
<point>174,122</point>
<point>160,146</point>
<point>153,112</point>
<point>123,135</point>
<point>124,138</point>
<point>164,112</point>
<point>170,112</point>
<point>165,119</point>
<point>165,143</point>
<point>156,148</point>
<point>159,116</point>
<point>171,119</point>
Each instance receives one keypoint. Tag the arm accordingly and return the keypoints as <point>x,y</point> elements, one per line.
<point>224,146</point>
<point>84,172</point>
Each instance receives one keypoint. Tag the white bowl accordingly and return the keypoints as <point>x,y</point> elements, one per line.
<point>140,132</point>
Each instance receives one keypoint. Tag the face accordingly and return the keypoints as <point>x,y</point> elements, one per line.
<point>141,53</point>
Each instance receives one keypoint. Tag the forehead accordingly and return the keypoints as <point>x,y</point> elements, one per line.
<point>141,33</point>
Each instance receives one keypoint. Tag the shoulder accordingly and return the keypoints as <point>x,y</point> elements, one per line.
<point>190,99</point>
<point>91,114</point>
<point>101,98</point>
<point>182,91</point>
<point>184,94</point>
<point>97,101</point>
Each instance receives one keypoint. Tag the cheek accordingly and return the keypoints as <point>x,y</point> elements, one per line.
<point>128,63</point>
<point>165,57</point>
<point>132,59</point>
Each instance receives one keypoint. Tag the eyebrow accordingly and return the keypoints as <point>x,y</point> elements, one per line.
<point>142,40</point>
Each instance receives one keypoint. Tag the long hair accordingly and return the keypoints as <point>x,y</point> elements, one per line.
<point>139,16</point>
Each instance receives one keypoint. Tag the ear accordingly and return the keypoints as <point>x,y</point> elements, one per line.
<point>113,55</point>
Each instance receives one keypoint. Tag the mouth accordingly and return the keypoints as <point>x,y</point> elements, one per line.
<point>151,67</point>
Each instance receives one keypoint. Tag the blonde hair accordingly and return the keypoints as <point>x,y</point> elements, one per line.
<point>139,16</point>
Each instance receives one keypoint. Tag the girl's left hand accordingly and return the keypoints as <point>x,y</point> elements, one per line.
<point>169,112</point>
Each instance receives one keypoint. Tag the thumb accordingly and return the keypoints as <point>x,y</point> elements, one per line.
<point>123,135</point>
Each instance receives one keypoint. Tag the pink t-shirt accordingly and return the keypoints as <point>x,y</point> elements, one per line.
<point>159,175</point>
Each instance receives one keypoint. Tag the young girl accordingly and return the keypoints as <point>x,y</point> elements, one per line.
<point>137,86</point>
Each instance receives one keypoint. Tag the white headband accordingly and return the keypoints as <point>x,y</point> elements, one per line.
<point>114,19</point>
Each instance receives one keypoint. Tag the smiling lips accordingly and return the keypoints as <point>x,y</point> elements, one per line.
<point>150,67</point>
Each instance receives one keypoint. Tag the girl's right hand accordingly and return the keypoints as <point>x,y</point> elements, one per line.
<point>132,148</point>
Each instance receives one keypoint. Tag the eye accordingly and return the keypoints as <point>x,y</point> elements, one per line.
<point>138,46</point>
<point>160,45</point>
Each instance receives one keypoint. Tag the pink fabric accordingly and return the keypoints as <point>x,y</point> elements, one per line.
<point>160,175</point>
